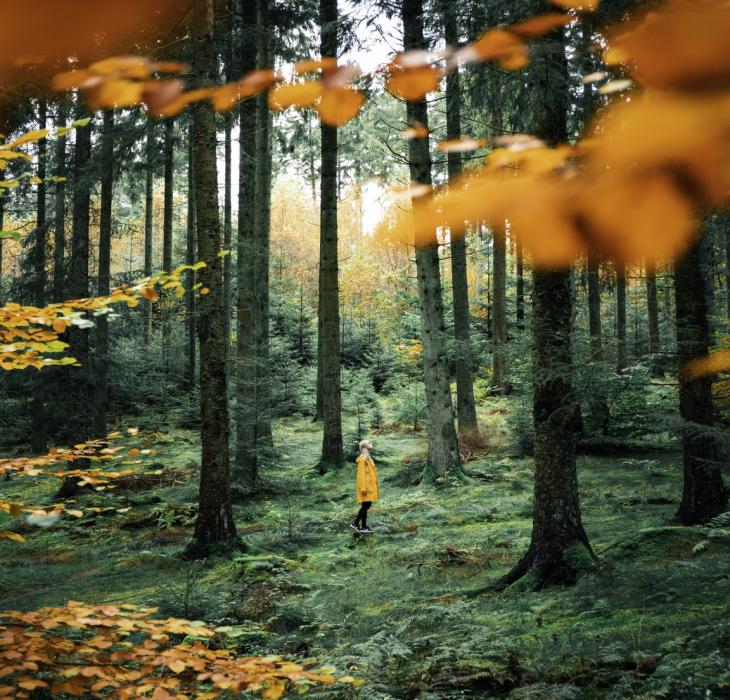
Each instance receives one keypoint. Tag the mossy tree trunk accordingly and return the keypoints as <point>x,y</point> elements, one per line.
<point>59,214</point>
<point>594,307</point>
<point>168,152</point>
<point>190,259</point>
<point>79,389</point>
<point>558,540</point>
<point>214,523</point>
<point>246,464</point>
<point>443,451</point>
<point>620,316</point>
<point>499,311</point>
<point>148,222</point>
<point>329,298</point>
<point>465,405</point>
<point>703,492</point>
<point>37,273</point>
<point>101,362</point>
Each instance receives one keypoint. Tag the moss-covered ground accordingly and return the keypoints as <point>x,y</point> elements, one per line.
<point>405,609</point>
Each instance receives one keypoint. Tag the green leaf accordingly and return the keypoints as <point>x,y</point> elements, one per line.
<point>15,235</point>
<point>82,122</point>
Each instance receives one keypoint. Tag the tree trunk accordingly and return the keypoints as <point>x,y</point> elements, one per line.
<point>727,265</point>
<point>465,406</point>
<point>264,440</point>
<point>59,228</point>
<point>246,469</point>
<point>520,290</point>
<point>2,227</point>
<point>214,523</point>
<point>228,173</point>
<point>190,259</point>
<point>557,530</point>
<point>148,203</point>
<point>443,452</point>
<point>652,306</point>
<point>329,308</point>
<point>703,494</point>
<point>499,312</point>
<point>39,391</point>
<point>167,216</point>
<point>594,307</point>
<point>620,317</point>
<point>79,390</point>
<point>104,281</point>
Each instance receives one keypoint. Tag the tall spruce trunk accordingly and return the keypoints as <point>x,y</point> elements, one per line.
<point>329,298</point>
<point>167,216</point>
<point>262,219</point>
<point>594,307</point>
<point>465,406</point>
<point>230,70</point>
<point>652,309</point>
<point>499,312</point>
<point>703,492</point>
<point>443,450</point>
<point>727,266</point>
<point>620,316</point>
<point>59,215</point>
<point>520,286</point>
<point>557,528</point>
<point>190,259</point>
<point>78,383</point>
<point>148,222</point>
<point>104,281</point>
<point>39,395</point>
<point>214,523</point>
<point>246,463</point>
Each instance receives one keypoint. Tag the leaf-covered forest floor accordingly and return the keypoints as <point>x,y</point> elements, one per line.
<point>402,609</point>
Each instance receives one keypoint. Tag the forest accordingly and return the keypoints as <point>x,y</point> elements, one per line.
<point>368,349</point>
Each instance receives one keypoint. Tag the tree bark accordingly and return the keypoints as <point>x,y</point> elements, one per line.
<point>465,405</point>
<point>2,227</point>
<point>39,395</point>
<point>499,312</point>
<point>264,440</point>
<point>227,168</point>
<point>329,306</point>
<point>148,221</point>
<point>558,536</point>
<point>703,493</point>
<point>520,287</point>
<point>727,266</point>
<point>246,469</point>
<point>594,307</point>
<point>104,282</point>
<point>190,259</point>
<point>443,452</point>
<point>214,523</point>
<point>652,306</point>
<point>167,216</point>
<point>79,389</point>
<point>620,317</point>
<point>59,229</point>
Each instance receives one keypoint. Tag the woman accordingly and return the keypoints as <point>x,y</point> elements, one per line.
<point>366,487</point>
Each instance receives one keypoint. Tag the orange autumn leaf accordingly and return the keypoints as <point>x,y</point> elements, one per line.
<point>311,65</point>
<point>134,452</point>
<point>579,5</point>
<point>498,45</point>
<point>59,325</point>
<point>339,105</point>
<point>114,93</point>
<point>302,94</point>
<point>539,25</point>
<point>412,84</point>
<point>149,293</point>
<point>461,145</point>
<point>715,362</point>
<point>416,131</point>
<point>684,45</point>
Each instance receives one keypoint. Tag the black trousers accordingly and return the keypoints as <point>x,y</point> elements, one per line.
<point>362,515</point>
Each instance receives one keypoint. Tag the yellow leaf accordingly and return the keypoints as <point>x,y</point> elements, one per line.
<point>539,25</point>
<point>177,666</point>
<point>718,361</point>
<point>115,93</point>
<point>412,84</point>
<point>339,105</point>
<point>579,5</point>
<point>134,452</point>
<point>295,95</point>
<point>461,145</point>
<point>29,137</point>
<point>12,536</point>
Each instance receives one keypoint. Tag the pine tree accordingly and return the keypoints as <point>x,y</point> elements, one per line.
<point>443,452</point>
<point>214,523</point>
<point>329,303</point>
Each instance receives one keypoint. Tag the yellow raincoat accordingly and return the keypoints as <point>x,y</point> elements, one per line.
<point>366,487</point>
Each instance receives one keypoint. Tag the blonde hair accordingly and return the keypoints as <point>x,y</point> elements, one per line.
<point>365,445</point>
